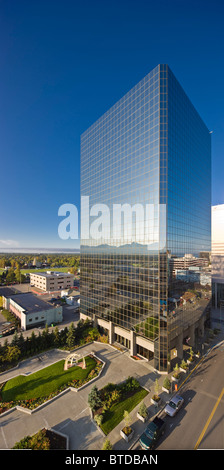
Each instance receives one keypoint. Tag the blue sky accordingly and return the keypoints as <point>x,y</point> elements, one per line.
<point>63,64</point>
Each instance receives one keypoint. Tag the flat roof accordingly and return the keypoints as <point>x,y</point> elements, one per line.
<point>30,303</point>
<point>51,273</point>
<point>7,292</point>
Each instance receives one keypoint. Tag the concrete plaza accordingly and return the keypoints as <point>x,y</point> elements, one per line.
<point>70,413</point>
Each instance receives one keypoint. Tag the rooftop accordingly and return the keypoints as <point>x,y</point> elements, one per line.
<point>51,273</point>
<point>7,292</point>
<point>30,303</point>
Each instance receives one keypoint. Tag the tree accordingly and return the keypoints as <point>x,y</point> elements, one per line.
<point>15,339</point>
<point>56,337</point>
<point>10,277</point>
<point>94,399</point>
<point>20,278</point>
<point>71,336</point>
<point>46,338</point>
<point>127,419</point>
<point>21,343</point>
<point>143,410</point>
<point>12,354</point>
<point>156,388</point>
<point>107,445</point>
<point>33,341</point>
<point>5,345</point>
<point>98,419</point>
<point>18,275</point>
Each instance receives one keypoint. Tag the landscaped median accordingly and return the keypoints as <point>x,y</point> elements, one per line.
<point>109,404</point>
<point>37,389</point>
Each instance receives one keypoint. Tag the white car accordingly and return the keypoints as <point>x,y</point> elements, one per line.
<point>174,405</point>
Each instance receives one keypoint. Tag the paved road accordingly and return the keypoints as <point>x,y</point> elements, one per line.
<point>200,423</point>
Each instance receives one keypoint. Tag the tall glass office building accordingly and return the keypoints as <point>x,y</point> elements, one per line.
<point>146,220</point>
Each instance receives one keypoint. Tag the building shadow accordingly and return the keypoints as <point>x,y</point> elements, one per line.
<point>83,433</point>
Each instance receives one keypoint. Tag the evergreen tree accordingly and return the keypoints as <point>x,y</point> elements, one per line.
<point>94,399</point>
<point>6,343</point>
<point>33,342</point>
<point>13,353</point>
<point>71,336</point>
<point>21,343</point>
<point>45,337</point>
<point>15,339</point>
<point>56,337</point>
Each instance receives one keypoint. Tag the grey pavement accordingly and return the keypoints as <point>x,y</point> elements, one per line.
<point>70,413</point>
<point>28,366</point>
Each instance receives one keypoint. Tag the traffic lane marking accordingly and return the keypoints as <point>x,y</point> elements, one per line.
<point>209,420</point>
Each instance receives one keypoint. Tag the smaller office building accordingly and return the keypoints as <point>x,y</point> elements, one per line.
<point>32,311</point>
<point>5,294</point>
<point>51,281</point>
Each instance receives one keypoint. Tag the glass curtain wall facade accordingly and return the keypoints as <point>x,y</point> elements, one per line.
<point>188,215</point>
<point>145,183</point>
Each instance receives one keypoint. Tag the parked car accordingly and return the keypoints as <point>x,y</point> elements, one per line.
<point>174,405</point>
<point>152,433</point>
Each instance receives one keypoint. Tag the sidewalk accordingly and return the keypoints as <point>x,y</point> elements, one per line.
<point>114,437</point>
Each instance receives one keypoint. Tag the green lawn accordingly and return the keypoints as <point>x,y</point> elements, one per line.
<point>65,269</point>
<point>115,414</point>
<point>44,382</point>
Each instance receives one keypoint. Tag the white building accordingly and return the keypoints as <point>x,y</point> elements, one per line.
<point>51,281</point>
<point>31,310</point>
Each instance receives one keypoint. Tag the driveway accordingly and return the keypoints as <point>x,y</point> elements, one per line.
<point>70,413</point>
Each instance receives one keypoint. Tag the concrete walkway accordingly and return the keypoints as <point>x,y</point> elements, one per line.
<point>70,413</point>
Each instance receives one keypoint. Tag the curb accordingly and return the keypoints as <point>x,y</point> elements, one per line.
<point>63,392</point>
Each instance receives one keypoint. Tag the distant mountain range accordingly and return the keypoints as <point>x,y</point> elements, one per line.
<point>122,249</point>
<point>39,250</point>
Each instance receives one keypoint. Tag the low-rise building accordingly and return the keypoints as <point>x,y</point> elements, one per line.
<point>30,309</point>
<point>33,311</point>
<point>5,294</point>
<point>51,281</point>
<point>193,275</point>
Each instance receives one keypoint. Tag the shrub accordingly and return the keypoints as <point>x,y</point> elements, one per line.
<point>131,384</point>
<point>183,364</point>
<point>166,383</point>
<point>107,445</point>
<point>115,395</point>
<point>176,373</point>
<point>109,387</point>
<point>143,410</point>
<point>37,442</point>
<point>127,421</point>
<point>98,419</point>
<point>156,388</point>
<point>127,418</point>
